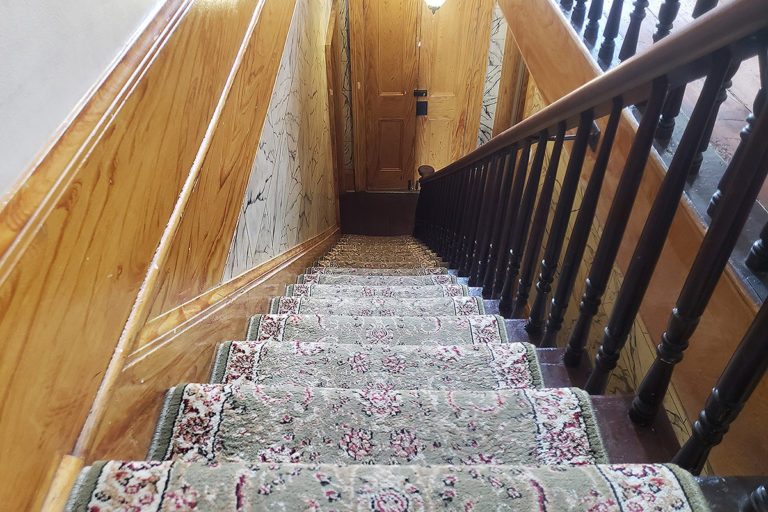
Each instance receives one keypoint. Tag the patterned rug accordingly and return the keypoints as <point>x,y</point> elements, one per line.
<point>404,292</point>
<point>363,262</point>
<point>335,365</point>
<point>402,330</point>
<point>119,485</point>
<point>413,271</point>
<point>214,422</point>
<point>378,307</point>
<point>376,280</point>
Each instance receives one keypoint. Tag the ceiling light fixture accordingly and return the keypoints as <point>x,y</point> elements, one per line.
<point>434,5</point>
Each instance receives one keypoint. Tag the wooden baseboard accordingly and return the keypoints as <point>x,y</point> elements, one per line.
<point>180,347</point>
<point>62,483</point>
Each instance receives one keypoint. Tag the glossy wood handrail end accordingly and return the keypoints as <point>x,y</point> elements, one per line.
<point>63,480</point>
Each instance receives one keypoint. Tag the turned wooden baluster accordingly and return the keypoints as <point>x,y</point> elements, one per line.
<point>496,218</point>
<point>594,16</point>
<point>636,17</point>
<point>667,14</point>
<point>675,98</point>
<point>581,229</point>
<point>512,203</point>
<point>480,190</point>
<point>757,106</point>
<point>509,222</point>
<point>577,16</point>
<point>757,259</point>
<point>538,226</point>
<point>704,144</point>
<point>566,4</point>
<point>466,208</point>
<point>655,231</point>
<point>522,224</point>
<point>453,214</point>
<point>734,387</point>
<point>559,224</point>
<point>616,223</point>
<point>460,218</point>
<point>485,224</point>
<point>716,248</point>
<point>611,30</point>
<point>757,501</point>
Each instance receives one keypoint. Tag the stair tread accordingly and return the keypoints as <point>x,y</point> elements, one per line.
<point>349,291</point>
<point>304,424</point>
<point>237,486</point>
<point>376,280</point>
<point>389,330</point>
<point>404,271</point>
<point>337,365</point>
<point>379,306</point>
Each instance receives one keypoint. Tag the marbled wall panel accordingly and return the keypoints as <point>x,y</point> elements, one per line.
<point>640,349</point>
<point>492,76</point>
<point>290,195</point>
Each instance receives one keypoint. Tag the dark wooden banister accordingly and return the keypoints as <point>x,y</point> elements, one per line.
<point>451,209</point>
<point>676,55</point>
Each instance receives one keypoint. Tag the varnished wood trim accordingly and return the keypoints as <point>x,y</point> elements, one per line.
<point>163,328</point>
<point>335,116</point>
<point>186,354</point>
<point>41,186</point>
<point>140,310</point>
<point>512,86</point>
<point>62,483</point>
<point>357,70</point>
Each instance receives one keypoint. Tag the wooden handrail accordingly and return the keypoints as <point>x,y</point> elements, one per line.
<point>676,55</point>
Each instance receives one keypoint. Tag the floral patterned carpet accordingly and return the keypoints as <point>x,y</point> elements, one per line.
<point>377,383</point>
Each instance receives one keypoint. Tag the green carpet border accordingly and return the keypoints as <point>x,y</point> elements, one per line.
<point>289,290</point>
<point>80,494</point>
<point>503,334</point>
<point>481,307</point>
<point>690,487</point>
<point>300,279</point>
<point>537,380</point>
<point>590,424</point>
<point>274,305</point>
<point>220,362</point>
<point>253,327</point>
<point>161,439</point>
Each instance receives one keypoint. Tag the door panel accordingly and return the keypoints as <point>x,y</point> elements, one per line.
<point>391,61</point>
<point>388,64</point>
<point>453,60</point>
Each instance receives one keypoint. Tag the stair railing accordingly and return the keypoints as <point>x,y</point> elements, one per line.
<point>452,200</point>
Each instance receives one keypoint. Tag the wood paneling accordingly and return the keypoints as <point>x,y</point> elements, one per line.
<point>730,311</point>
<point>391,68</point>
<point>73,268</point>
<point>335,99</point>
<point>452,64</point>
<point>201,244</point>
<point>357,71</point>
<point>513,85</point>
<point>182,349</point>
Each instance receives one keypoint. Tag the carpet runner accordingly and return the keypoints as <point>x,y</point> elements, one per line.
<point>173,485</point>
<point>462,306</point>
<point>345,279</point>
<point>210,422</point>
<point>335,365</point>
<point>388,330</point>
<point>403,292</point>
<point>378,383</point>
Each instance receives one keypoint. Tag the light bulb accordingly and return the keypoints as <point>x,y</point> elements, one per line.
<point>434,5</point>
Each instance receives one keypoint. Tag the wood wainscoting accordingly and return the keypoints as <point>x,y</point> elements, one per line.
<point>116,194</point>
<point>550,40</point>
<point>180,347</point>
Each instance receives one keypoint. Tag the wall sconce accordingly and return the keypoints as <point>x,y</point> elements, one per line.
<point>434,5</point>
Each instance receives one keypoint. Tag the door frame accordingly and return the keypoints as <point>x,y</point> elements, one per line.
<point>357,69</point>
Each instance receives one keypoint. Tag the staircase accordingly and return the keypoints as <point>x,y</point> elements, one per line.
<point>380,383</point>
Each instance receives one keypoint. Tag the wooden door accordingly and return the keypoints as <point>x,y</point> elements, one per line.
<point>389,55</point>
<point>452,67</point>
<point>398,46</point>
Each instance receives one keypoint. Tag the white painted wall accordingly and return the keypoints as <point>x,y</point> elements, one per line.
<point>51,53</point>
